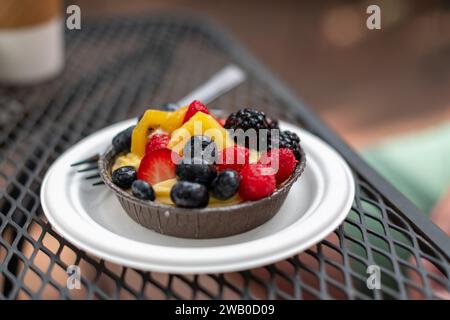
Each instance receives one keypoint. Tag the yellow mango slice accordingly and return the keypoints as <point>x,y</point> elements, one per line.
<point>175,120</point>
<point>200,124</point>
<point>154,119</point>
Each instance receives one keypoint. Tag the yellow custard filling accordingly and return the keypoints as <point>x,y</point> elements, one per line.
<point>129,159</point>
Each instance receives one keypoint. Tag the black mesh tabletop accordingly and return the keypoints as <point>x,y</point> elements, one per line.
<point>115,70</point>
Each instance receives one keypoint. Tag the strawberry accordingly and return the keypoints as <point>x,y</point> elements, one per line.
<point>235,158</point>
<point>282,161</point>
<point>157,141</point>
<point>157,166</point>
<point>193,108</point>
<point>257,182</point>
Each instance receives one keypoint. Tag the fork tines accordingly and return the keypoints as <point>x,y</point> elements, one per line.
<point>94,167</point>
<point>88,169</point>
<point>91,159</point>
<point>95,176</point>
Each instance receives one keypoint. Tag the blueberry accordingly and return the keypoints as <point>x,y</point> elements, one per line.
<point>142,190</point>
<point>226,184</point>
<point>165,107</point>
<point>124,176</point>
<point>122,140</point>
<point>170,107</point>
<point>141,116</point>
<point>200,147</point>
<point>196,170</point>
<point>187,194</point>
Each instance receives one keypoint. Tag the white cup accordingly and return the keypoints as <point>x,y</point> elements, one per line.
<point>31,41</point>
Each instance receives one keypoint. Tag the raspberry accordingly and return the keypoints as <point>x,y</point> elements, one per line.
<point>157,141</point>
<point>235,158</point>
<point>194,107</point>
<point>282,159</point>
<point>256,182</point>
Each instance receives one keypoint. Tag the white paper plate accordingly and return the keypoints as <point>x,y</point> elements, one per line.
<point>92,218</point>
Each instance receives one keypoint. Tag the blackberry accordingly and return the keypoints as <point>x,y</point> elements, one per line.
<point>291,141</point>
<point>273,124</point>
<point>247,119</point>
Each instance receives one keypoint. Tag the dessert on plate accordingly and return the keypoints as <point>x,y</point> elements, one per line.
<point>188,173</point>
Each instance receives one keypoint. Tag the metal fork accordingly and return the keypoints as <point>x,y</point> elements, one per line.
<point>220,83</point>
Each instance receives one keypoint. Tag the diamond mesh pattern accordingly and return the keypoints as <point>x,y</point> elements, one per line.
<point>116,69</point>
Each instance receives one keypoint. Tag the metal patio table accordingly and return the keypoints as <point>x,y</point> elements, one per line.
<point>115,69</point>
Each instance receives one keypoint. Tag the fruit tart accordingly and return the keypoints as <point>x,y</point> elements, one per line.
<point>188,173</point>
